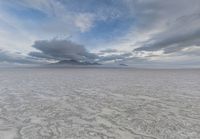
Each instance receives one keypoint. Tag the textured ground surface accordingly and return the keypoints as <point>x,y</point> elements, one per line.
<point>99,104</point>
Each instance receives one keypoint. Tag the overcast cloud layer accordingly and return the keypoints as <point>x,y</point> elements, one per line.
<point>135,32</point>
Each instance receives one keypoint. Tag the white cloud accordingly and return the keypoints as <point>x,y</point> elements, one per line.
<point>84,21</point>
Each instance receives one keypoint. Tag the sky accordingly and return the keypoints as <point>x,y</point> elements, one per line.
<point>139,33</point>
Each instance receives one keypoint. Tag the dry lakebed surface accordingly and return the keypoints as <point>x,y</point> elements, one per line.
<point>92,103</point>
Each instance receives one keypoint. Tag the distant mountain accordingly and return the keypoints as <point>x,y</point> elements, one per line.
<point>74,62</point>
<point>123,64</point>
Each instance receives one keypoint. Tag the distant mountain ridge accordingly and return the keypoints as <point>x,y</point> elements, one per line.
<point>74,62</point>
<point>122,64</point>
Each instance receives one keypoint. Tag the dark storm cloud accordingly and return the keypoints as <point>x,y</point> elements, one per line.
<point>61,50</point>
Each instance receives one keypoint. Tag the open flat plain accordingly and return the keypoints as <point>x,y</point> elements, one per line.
<point>89,103</point>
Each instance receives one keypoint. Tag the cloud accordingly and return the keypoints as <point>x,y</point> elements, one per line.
<point>191,51</point>
<point>16,58</point>
<point>177,37</point>
<point>109,51</point>
<point>115,57</point>
<point>151,30</point>
<point>48,51</point>
<point>84,21</point>
<point>61,50</point>
<point>176,24</point>
<point>58,50</point>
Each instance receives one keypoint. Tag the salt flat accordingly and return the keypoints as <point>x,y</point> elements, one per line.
<point>81,103</point>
